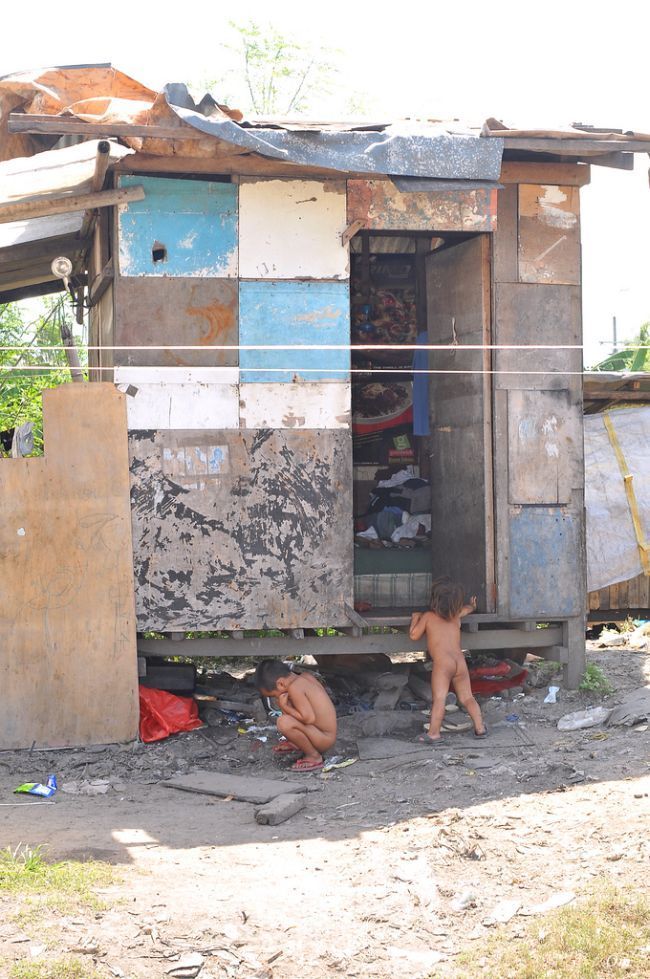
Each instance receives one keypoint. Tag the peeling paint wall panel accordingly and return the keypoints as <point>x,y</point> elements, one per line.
<point>291,229</point>
<point>311,405</point>
<point>309,314</point>
<point>176,312</point>
<point>543,447</point>
<point>182,227</point>
<point>241,530</point>
<point>177,375</point>
<point>381,206</point>
<point>545,567</point>
<point>172,405</point>
<point>549,234</point>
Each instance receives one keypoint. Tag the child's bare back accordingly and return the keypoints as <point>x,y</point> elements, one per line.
<point>441,625</point>
<point>324,712</point>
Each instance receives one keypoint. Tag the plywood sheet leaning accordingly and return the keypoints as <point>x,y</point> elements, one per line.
<point>67,625</point>
<point>241,530</point>
<point>549,234</point>
<point>380,206</point>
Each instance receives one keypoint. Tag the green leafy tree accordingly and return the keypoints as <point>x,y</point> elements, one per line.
<point>634,356</point>
<point>27,367</point>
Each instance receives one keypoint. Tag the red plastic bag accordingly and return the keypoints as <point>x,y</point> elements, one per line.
<point>162,714</point>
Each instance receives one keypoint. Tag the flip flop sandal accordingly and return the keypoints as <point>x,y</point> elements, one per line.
<point>484,734</point>
<point>285,748</point>
<point>307,765</point>
<point>427,739</point>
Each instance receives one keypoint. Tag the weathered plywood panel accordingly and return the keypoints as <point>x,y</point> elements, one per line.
<point>182,227</point>
<point>67,627</point>
<point>506,268</point>
<point>171,405</point>
<point>543,447</point>
<point>291,229</point>
<point>304,405</point>
<point>382,207</point>
<point>241,530</point>
<point>546,576</point>
<point>549,234</point>
<point>312,315</point>
<point>176,312</point>
<point>458,299</point>
<point>548,315</point>
<point>176,375</point>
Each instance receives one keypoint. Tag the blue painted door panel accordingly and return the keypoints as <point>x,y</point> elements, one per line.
<point>190,224</point>
<point>294,312</point>
<point>545,563</point>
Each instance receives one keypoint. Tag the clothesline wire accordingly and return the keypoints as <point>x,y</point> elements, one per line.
<point>372,347</point>
<point>271,369</point>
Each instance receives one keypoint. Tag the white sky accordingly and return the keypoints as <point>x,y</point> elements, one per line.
<point>557,62</point>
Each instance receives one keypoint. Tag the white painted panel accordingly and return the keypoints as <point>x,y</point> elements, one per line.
<point>307,405</point>
<point>177,375</point>
<point>290,229</point>
<point>183,406</point>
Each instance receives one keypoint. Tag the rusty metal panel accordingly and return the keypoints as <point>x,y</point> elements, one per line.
<point>382,207</point>
<point>544,447</point>
<point>182,227</point>
<point>176,312</point>
<point>546,572</point>
<point>241,530</point>
<point>291,229</point>
<point>549,234</point>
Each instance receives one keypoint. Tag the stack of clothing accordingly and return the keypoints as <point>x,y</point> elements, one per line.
<point>399,510</point>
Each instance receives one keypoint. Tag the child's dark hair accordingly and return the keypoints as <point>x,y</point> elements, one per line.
<point>268,673</point>
<point>447,597</point>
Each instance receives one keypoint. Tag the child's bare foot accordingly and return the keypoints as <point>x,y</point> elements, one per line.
<point>308,764</point>
<point>285,748</point>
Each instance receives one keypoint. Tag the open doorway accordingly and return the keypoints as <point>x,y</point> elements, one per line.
<point>422,441</point>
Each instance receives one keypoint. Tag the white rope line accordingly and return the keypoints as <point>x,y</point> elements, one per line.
<point>372,347</point>
<point>287,370</point>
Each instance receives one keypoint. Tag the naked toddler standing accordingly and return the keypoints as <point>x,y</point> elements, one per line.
<point>442,628</point>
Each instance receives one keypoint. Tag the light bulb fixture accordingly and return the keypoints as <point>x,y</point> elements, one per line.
<point>62,269</point>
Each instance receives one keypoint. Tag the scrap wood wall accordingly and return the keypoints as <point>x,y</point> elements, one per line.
<point>241,459</point>
<point>67,627</point>
<point>539,458</point>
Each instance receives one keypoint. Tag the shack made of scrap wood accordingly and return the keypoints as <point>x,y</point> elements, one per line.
<point>241,454</point>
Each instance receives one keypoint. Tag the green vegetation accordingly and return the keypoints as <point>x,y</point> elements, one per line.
<point>595,681</point>
<point>69,967</point>
<point>22,381</point>
<point>608,936</point>
<point>64,886</point>
<point>634,356</point>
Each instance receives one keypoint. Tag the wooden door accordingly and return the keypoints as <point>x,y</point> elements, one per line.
<point>458,312</point>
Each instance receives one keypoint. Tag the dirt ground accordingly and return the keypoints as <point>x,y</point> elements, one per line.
<point>391,869</point>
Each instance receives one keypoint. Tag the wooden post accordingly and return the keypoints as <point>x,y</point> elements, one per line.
<point>71,353</point>
<point>102,160</point>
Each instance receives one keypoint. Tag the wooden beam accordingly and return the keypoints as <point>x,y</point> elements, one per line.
<point>102,159</point>
<point>45,124</point>
<point>562,174</point>
<point>40,207</point>
<point>246,164</point>
<point>101,283</point>
<point>617,161</point>
<point>571,146</point>
<point>602,394</point>
<point>30,291</point>
<point>351,231</point>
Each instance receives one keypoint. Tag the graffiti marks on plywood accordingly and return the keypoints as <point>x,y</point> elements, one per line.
<point>237,530</point>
